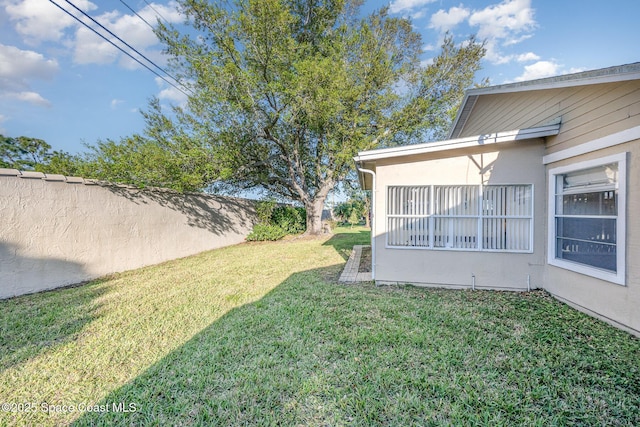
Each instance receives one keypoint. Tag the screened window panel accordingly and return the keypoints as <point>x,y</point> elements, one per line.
<point>594,203</point>
<point>407,200</point>
<point>496,217</point>
<point>590,241</point>
<point>456,233</point>
<point>456,200</point>
<point>507,217</point>
<point>408,232</point>
<point>506,234</point>
<point>407,216</point>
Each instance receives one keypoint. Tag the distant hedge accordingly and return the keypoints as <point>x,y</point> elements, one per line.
<point>276,221</point>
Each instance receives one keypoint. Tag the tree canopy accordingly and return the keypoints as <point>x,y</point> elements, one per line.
<point>26,153</point>
<point>283,94</point>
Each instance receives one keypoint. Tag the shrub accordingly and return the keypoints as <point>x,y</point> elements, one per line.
<point>291,219</point>
<point>275,222</point>
<point>262,232</point>
<point>264,211</point>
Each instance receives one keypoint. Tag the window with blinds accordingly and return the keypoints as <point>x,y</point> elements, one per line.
<point>408,216</point>
<point>507,217</point>
<point>464,217</point>
<point>587,217</point>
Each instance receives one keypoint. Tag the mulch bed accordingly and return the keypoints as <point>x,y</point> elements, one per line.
<point>365,260</point>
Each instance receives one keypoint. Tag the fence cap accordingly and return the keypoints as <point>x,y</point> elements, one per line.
<point>32,175</point>
<point>9,172</point>
<point>75,180</point>
<point>54,177</point>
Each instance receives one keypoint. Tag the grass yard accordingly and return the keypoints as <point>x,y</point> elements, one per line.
<point>261,334</point>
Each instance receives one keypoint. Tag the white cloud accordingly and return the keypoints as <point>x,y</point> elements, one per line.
<point>18,67</point>
<point>526,57</point>
<point>504,20</point>
<point>41,20</point>
<point>21,64</point>
<point>92,49</point>
<point>539,70</point>
<point>170,93</point>
<point>398,6</point>
<point>30,97</point>
<point>503,24</point>
<point>444,21</point>
<point>115,102</point>
<point>575,70</point>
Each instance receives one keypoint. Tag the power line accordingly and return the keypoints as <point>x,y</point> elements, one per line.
<point>136,13</point>
<point>118,47</point>
<point>157,13</point>
<point>127,44</point>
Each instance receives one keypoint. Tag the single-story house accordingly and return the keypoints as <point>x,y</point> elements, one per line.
<point>537,187</point>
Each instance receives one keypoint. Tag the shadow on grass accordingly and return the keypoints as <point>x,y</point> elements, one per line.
<point>344,241</point>
<point>261,363</point>
<point>312,352</point>
<point>33,324</point>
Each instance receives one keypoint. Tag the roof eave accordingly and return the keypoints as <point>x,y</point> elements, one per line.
<point>603,75</point>
<point>454,144</point>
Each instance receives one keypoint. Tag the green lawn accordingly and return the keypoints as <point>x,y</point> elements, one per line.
<point>262,333</point>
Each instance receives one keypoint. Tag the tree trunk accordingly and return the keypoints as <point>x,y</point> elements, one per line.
<point>314,215</point>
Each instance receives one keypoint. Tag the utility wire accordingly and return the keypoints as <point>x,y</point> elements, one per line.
<point>122,41</point>
<point>118,47</point>
<point>136,13</point>
<point>157,13</point>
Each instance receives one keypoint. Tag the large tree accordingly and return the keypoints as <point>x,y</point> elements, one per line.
<point>26,153</point>
<point>23,152</point>
<point>283,93</point>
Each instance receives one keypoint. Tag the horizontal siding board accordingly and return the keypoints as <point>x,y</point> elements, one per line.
<point>587,112</point>
<point>608,114</point>
<point>524,109</point>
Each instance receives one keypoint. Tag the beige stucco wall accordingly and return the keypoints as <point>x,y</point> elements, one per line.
<point>514,163</point>
<point>617,304</point>
<point>54,233</point>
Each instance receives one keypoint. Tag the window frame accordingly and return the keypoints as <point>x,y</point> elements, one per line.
<point>619,276</point>
<point>431,216</point>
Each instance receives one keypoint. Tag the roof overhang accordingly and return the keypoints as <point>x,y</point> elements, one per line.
<point>604,75</point>
<point>367,159</point>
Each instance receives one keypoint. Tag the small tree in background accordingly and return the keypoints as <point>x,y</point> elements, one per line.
<point>358,201</point>
<point>354,217</point>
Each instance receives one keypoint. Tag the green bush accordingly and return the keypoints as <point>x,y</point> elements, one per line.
<point>264,211</point>
<point>275,222</point>
<point>262,232</point>
<point>291,219</point>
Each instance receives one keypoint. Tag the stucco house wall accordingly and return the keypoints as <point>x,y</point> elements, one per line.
<point>516,163</point>
<point>618,304</point>
<point>597,114</point>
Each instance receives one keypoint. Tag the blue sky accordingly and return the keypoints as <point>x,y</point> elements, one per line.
<point>62,83</point>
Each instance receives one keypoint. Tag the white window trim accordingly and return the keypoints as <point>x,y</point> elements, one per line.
<point>431,216</point>
<point>619,277</point>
